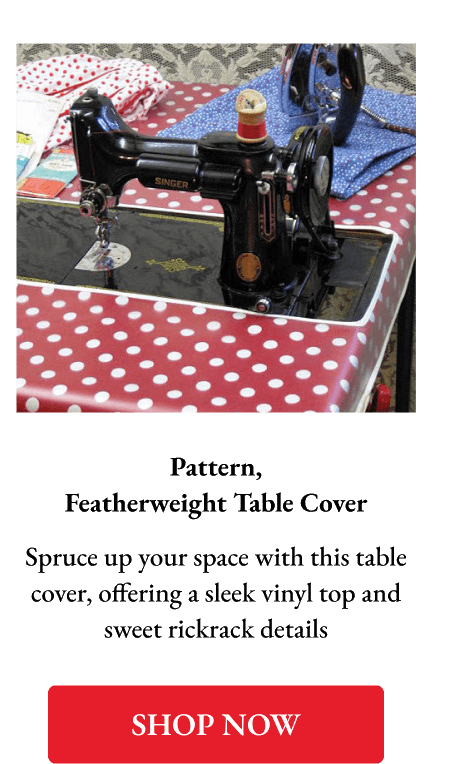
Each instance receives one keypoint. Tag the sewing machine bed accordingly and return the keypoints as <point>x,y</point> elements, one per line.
<point>172,257</point>
<point>169,257</point>
<point>108,349</point>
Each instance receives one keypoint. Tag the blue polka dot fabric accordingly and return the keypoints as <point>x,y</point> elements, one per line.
<point>368,152</point>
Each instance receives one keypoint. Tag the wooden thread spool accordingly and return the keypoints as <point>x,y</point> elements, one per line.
<point>251,107</point>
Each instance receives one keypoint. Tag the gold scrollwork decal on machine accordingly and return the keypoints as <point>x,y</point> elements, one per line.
<point>175,264</point>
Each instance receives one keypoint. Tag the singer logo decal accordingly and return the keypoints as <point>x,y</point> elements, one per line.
<point>171,182</point>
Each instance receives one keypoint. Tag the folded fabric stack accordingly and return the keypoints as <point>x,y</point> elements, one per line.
<point>132,86</point>
<point>369,151</point>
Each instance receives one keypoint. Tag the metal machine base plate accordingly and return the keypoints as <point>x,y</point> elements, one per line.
<point>100,259</point>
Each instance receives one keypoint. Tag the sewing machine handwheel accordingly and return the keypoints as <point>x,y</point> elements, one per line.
<point>312,150</point>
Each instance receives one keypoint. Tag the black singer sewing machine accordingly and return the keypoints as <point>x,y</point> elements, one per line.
<point>279,252</point>
<point>279,244</point>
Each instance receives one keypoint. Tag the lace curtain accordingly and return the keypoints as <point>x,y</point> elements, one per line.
<point>391,66</point>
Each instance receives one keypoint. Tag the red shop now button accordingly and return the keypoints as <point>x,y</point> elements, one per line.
<point>226,724</point>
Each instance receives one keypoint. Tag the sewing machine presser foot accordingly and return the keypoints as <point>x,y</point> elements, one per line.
<point>104,255</point>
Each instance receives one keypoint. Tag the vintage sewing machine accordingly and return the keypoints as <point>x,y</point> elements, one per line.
<point>279,247</point>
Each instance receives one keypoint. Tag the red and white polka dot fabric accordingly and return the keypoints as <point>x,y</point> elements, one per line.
<point>132,86</point>
<point>89,350</point>
<point>98,351</point>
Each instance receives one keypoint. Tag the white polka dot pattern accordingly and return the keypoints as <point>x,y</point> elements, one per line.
<point>375,205</point>
<point>183,372</point>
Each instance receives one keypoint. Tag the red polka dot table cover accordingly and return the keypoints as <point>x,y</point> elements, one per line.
<point>83,350</point>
